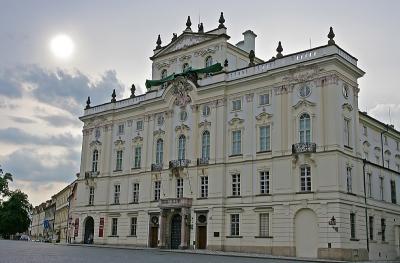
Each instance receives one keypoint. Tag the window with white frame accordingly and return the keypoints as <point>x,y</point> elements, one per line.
<point>236,105</point>
<point>349,180</point>
<point>265,138</point>
<point>97,133</point>
<point>205,145</point>
<point>264,182</point>
<point>206,110</point>
<point>235,184</point>
<point>264,99</point>
<point>393,191</point>
<point>235,224</point>
<point>385,139</point>
<point>264,225</point>
<point>369,186</point>
<point>118,165</point>
<point>236,142</point>
<point>138,156</point>
<point>159,151</point>
<point>179,187</point>
<point>139,125</point>
<point>117,193</point>
<point>135,193</point>
<point>114,226</point>
<point>133,226</point>
<point>352,225</point>
<point>204,186</point>
<point>305,128</point>
<point>347,132</point>
<point>91,195</point>
<point>305,178</point>
<point>181,147</point>
<point>95,160</point>
<point>160,120</point>
<point>157,190</point>
<point>121,129</point>
<point>381,188</point>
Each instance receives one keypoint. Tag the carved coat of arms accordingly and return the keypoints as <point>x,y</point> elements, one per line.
<point>181,88</point>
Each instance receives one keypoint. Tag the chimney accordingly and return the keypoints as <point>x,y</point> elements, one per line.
<point>249,42</point>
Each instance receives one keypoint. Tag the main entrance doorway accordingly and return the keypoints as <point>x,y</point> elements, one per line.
<point>89,230</point>
<point>306,234</point>
<point>201,237</point>
<point>176,223</point>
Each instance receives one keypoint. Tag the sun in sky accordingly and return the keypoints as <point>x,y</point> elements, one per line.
<point>62,46</point>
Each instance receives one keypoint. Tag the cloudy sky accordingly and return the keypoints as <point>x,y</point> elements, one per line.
<point>42,95</point>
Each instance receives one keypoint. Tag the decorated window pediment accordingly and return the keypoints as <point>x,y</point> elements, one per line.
<point>204,124</point>
<point>304,103</point>
<point>158,132</point>
<point>137,139</point>
<point>119,144</point>
<point>263,117</point>
<point>235,122</point>
<point>347,106</point>
<point>95,144</point>
<point>181,128</point>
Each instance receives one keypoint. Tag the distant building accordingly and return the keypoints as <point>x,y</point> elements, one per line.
<point>226,151</point>
<point>61,213</point>
<point>37,222</point>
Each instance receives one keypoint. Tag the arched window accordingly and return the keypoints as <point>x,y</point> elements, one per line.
<point>205,145</point>
<point>164,74</point>
<point>159,151</point>
<point>209,61</point>
<point>305,128</point>
<point>185,67</point>
<point>181,147</point>
<point>95,160</point>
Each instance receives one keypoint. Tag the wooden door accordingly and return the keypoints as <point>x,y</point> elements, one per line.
<point>153,236</point>
<point>201,237</point>
<point>176,231</point>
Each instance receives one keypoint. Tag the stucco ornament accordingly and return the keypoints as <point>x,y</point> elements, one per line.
<point>181,88</point>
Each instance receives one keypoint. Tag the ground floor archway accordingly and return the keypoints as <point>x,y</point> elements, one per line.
<point>89,230</point>
<point>176,225</point>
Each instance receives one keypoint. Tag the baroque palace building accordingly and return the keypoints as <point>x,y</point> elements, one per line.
<point>228,152</point>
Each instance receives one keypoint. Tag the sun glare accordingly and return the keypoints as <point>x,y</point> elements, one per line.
<point>62,46</point>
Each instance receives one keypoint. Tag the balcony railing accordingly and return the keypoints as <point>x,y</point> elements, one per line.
<point>304,147</point>
<point>91,174</point>
<point>202,161</point>
<point>179,163</point>
<point>156,167</point>
<point>175,202</point>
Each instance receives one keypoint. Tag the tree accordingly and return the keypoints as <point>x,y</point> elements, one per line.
<point>4,190</point>
<point>14,214</point>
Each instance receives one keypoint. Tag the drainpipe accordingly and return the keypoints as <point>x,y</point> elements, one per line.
<point>365,205</point>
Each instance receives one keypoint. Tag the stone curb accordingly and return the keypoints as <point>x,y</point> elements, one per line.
<point>210,252</point>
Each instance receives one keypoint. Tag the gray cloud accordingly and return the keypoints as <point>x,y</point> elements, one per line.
<point>21,119</point>
<point>26,164</point>
<point>60,121</point>
<point>20,137</point>
<point>9,86</point>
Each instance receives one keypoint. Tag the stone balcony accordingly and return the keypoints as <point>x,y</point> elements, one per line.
<point>176,164</point>
<point>91,174</point>
<point>170,203</point>
<point>304,147</point>
<point>156,167</point>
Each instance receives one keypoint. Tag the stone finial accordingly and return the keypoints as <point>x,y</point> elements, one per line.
<point>133,89</point>
<point>221,21</point>
<point>87,103</point>
<point>113,95</point>
<point>174,36</point>
<point>279,49</point>
<point>252,55</point>
<point>188,24</point>
<point>331,35</point>
<point>201,28</point>
<point>226,63</point>
<point>158,42</point>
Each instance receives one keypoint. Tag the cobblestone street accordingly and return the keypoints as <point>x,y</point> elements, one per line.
<point>33,252</point>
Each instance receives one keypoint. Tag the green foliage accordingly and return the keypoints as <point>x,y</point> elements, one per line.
<point>14,214</point>
<point>4,190</point>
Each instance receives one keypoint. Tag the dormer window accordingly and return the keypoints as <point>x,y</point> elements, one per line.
<point>209,61</point>
<point>164,74</point>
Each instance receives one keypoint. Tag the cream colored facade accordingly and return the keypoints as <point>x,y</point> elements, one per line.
<point>37,222</point>
<point>61,213</point>
<point>282,172</point>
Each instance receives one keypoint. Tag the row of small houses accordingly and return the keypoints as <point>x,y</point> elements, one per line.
<point>51,220</point>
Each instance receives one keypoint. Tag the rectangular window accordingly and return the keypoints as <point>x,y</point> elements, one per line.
<point>353,225</point>
<point>383,229</point>
<point>265,136</point>
<point>393,191</point>
<point>349,180</point>
<point>139,125</point>
<point>365,130</point>
<point>347,132</point>
<point>371,227</point>
<point>264,182</point>
<point>118,166</point>
<point>236,184</point>
<point>235,225</point>
<point>369,175</point>
<point>135,193</point>
<point>138,156</point>
<point>237,105</point>
<point>179,188</point>
<point>236,142</point>
<point>387,163</point>
<point>91,195</point>
<point>381,188</point>
<point>157,190</point>
<point>204,186</point>
<point>114,227</point>
<point>264,225</point>
<point>386,140</point>
<point>121,129</point>
<point>133,226</point>
<point>264,99</point>
<point>305,178</point>
<point>117,193</point>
